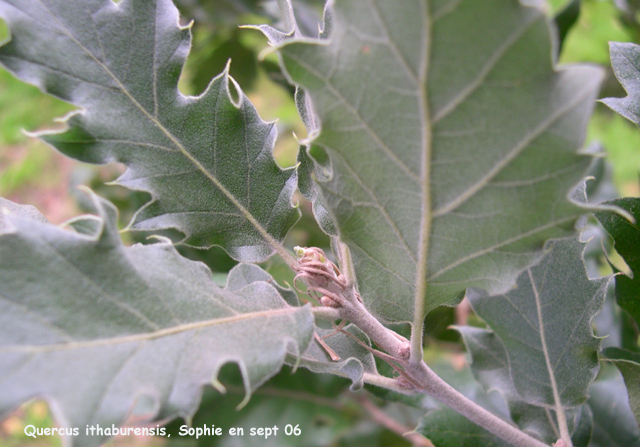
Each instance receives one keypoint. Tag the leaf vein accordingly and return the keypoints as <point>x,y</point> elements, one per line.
<point>493,60</point>
<point>512,154</point>
<point>496,246</point>
<point>147,335</point>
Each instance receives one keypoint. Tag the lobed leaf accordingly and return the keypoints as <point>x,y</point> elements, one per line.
<point>625,61</point>
<point>451,142</point>
<point>544,324</point>
<point>626,237</point>
<point>9,207</point>
<point>490,366</point>
<point>354,359</point>
<point>207,161</point>
<point>95,327</point>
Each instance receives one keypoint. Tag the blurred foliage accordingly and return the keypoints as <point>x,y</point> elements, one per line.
<point>598,24</point>
<point>565,19</point>
<point>34,413</point>
<point>601,21</point>
<point>320,405</point>
<point>17,110</point>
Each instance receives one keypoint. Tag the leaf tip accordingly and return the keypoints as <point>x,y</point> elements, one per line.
<point>160,238</point>
<point>236,96</point>
<point>265,52</point>
<point>188,26</point>
<point>244,402</point>
<point>218,386</point>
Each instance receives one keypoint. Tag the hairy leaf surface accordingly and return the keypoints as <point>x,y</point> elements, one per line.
<point>544,324</point>
<point>93,326</point>
<point>452,143</point>
<point>9,207</point>
<point>626,236</point>
<point>207,161</point>
<point>625,61</point>
<point>490,366</point>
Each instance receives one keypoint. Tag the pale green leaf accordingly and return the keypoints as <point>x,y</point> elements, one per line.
<point>354,359</point>
<point>207,161</point>
<point>9,207</point>
<point>490,366</point>
<point>452,143</point>
<point>625,60</point>
<point>243,275</point>
<point>309,170</point>
<point>544,323</point>
<point>307,175</point>
<point>94,327</point>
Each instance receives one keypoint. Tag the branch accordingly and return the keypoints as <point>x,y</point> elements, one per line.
<point>445,393</point>
<point>430,383</point>
<point>339,294</point>
<point>385,420</point>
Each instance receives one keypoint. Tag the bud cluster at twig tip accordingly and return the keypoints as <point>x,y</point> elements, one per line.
<point>321,276</point>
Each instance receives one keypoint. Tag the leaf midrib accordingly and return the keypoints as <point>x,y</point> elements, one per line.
<point>560,415</point>
<point>416,352</point>
<point>146,336</point>
<point>271,240</point>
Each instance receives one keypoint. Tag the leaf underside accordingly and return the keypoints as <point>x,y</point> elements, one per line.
<point>7,206</point>
<point>93,347</point>
<point>207,161</point>
<point>544,323</point>
<point>452,143</point>
<point>625,61</point>
<point>490,366</point>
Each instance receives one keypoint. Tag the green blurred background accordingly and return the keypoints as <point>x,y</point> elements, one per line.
<point>32,173</point>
